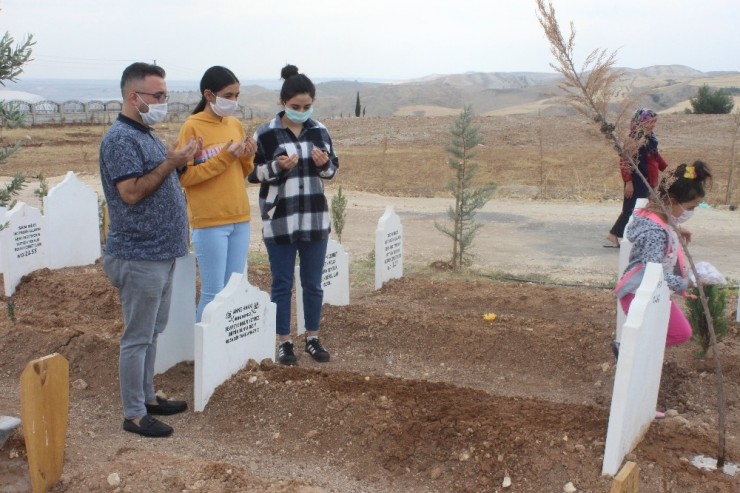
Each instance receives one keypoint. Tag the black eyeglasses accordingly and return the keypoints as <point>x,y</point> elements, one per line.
<point>159,96</point>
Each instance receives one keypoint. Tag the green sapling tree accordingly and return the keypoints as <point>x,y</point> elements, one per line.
<point>468,198</point>
<point>339,212</point>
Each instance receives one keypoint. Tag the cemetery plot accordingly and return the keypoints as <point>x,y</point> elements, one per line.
<point>68,235</point>
<point>422,395</point>
<point>238,325</point>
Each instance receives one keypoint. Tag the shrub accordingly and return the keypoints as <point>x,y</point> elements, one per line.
<point>339,212</point>
<point>709,102</point>
<point>716,301</point>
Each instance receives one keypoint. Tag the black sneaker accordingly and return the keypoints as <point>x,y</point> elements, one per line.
<point>316,350</point>
<point>165,407</point>
<point>148,427</point>
<point>286,355</point>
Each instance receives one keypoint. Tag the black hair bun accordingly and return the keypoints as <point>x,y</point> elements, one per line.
<point>288,71</point>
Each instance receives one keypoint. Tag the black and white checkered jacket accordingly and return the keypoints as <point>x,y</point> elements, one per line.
<point>292,203</point>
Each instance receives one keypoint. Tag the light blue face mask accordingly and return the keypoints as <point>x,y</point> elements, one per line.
<point>298,116</point>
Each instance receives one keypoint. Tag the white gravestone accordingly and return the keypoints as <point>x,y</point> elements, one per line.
<point>637,379</point>
<point>334,281</point>
<point>388,248</point>
<point>72,224</point>
<point>238,325</point>
<point>22,244</point>
<point>177,342</point>
<point>625,247</point>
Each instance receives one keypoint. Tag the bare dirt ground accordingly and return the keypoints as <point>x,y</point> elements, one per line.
<point>422,394</point>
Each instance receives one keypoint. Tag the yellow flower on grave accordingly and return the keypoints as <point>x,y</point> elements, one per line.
<point>489,317</point>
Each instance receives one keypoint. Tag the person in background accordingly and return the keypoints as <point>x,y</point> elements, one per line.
<point>148,231</point>
<point>649,162</point>
<point>214,184</point>
<point>294,155</point>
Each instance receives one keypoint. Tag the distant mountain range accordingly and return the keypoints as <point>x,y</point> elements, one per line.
<point>665,88</point>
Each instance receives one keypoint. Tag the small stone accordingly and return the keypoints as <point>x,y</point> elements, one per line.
<point>682,421</point>
<point>435,473</point>
<point>267,364</point>
<point>252,379</point>
<point>252,364</point>
<point>569,488</point>
<point>506,482</point>
<point>312,433</point>
<point>671,413</point>
<point>79,384</point>
<point>114,479</point>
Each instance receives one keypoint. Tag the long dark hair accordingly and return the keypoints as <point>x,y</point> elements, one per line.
<point>685,183</point>
<point>215,79</point>
<point>295,83</point>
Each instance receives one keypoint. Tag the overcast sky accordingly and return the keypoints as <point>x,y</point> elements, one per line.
<point>361,39</point>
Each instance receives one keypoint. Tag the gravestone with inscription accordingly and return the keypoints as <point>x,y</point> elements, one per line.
<point>72,224</point>
<point>388,248</point>
<point>334,281</point>
<point>238,325</point>
<point>637,379</point>
<point>176,343</point>
<point>22,245</point>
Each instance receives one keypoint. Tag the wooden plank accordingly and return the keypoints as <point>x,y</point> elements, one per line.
<point>44,414</point>
<point>627,480</point>
<point>105,224</point>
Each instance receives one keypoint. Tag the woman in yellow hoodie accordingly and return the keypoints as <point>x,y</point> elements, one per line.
<point>214,184</point>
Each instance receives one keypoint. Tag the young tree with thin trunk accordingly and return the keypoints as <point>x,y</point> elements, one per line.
<point>589,90</point>
<point>11,63</point>
<point>468,199</point>
<point>733,155</point>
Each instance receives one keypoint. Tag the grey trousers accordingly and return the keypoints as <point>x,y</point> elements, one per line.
<point>145,289</point>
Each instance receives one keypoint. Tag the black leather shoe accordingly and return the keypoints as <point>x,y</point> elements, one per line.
<point>165,407</point>
<point>148,427</point>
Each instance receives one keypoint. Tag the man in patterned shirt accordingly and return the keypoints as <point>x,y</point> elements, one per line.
<point>148,231</point>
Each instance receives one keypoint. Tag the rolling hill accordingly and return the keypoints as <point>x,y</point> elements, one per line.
<point>665,88</point>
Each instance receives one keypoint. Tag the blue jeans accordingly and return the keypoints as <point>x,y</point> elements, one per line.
<point>311,256</point>
<point>145,289</point>
<point>220,251</point>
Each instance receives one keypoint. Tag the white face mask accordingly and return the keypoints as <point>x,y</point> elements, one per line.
<point>156,113</point>
<point>224,107</point>
<point>685,216</point>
